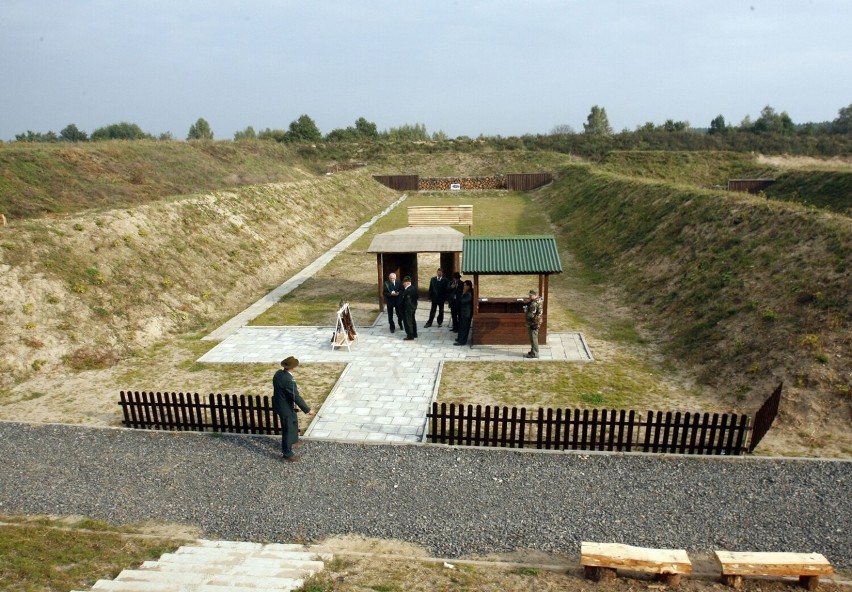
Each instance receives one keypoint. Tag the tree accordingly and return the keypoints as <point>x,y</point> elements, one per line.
<point>70,133</point>
<point>200,130</point>
<point>166,137</point>
<point>31,136</point>
<point>303,129</point>
<point>409,133</point>
<point>717,125</point>
<point>671,125</point>
<point>562,129</point>
<point>597,123</point>
<point>277,135</point>
<point>843,123</point>
<point>246,134</point>
<point>120,131</point>
<point>366,129</point>
<point>363,130</point>
<point>439,136</point>
<point>771,122</point>
<point>648,126</point>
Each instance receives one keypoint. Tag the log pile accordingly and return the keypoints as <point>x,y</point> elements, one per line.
<point>465,183</point>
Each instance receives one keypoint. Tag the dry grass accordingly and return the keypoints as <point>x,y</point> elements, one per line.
<point>50,554</point>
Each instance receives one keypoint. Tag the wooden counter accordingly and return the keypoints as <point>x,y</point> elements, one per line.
<point>501,321</point>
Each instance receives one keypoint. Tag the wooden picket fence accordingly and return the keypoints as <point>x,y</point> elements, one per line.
<point>588,429</point>
<point>469,425</point>
<point>190,412</point>
<point>601,429</point>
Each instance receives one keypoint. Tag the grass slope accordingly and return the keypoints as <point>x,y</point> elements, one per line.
<point>831,190</point>
<point>699,168</point>
<point>748,291</point>
<point>39,179</point>
<point>87,290</point>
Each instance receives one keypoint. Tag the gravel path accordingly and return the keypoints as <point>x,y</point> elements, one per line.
<point>453,501</point>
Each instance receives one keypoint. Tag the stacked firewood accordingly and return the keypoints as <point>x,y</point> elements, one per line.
<point>465,183</point>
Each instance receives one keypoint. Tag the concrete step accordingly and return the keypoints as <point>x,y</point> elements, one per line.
<point>184,578</point>
<point>258,583</point>
<point>119,586</point>
<point>279,570</point>
<point>232,561</point>
<point>242,545</point>
<point>221,566</point>
<point>214,588</point>
<point>265,551</point>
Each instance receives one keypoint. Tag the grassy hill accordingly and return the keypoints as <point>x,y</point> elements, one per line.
<point>831,190</point>
<point>39,179</point>
<point>698,168</point>
<point>747,291</point>
<point>91,288</point>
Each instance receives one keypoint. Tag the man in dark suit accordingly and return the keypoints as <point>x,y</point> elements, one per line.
<point>285,398</point>
<point>409,308</point>
<point>393,293</point>
<point>437,295</point>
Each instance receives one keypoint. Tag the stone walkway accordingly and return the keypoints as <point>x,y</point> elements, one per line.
<point>388,385</point>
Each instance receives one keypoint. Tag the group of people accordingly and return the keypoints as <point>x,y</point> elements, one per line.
<point>401,302</point>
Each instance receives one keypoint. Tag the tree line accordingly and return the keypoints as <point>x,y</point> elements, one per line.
<point>770,132</point>
<point>303,129</point>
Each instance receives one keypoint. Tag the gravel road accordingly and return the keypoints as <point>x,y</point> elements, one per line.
<point>454,501</point>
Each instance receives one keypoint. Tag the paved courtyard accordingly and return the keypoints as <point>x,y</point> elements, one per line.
<point>388,385</point>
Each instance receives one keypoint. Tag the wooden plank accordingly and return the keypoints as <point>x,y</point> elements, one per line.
<point>772,564</point>
<point>642,559</point>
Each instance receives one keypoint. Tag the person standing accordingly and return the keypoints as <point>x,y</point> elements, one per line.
<point>437,296</point>
<point>285,399</point>
<point>393,291</point>
<point>409,308</point>
<point>465,312</point>
<point>454,292</point>
<point>534,310</point>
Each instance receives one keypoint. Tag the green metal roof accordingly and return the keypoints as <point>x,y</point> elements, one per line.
<point>510,255</point>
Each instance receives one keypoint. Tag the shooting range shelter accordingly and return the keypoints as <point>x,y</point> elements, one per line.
<point>396,252</point>
<point>502,320</point>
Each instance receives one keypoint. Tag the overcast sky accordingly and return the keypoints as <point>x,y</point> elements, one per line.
<point>492,67</point>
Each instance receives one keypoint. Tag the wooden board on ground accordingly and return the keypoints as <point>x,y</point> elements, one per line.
<point>441,216</point>
<point>601,560</point>
<point>806,566</point>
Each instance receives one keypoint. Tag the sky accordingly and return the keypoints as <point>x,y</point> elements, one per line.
<point>466,68</point>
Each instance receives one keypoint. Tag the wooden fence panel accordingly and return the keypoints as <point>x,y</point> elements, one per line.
<point>527,181</point>
<point>584,429</point>
<point>577,429</point>
<point>765,416</point>
<point>399,182</point>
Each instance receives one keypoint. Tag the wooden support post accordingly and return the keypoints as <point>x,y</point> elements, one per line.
<point>735,582</point>
<point>809,582</point>
<point>381,282</point>
<point>599,574</point>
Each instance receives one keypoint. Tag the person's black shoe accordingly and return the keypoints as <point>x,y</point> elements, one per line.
<point>408,339</point>
<point>439,324</point>
<point>454,330</point>
<point>393,329</point>
<point>427,325</point>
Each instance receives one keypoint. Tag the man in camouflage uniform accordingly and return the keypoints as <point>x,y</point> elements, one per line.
<point>533,310</point>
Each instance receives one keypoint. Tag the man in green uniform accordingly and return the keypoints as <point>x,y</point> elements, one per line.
<point>533,310</point>
<point>285,398</point>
